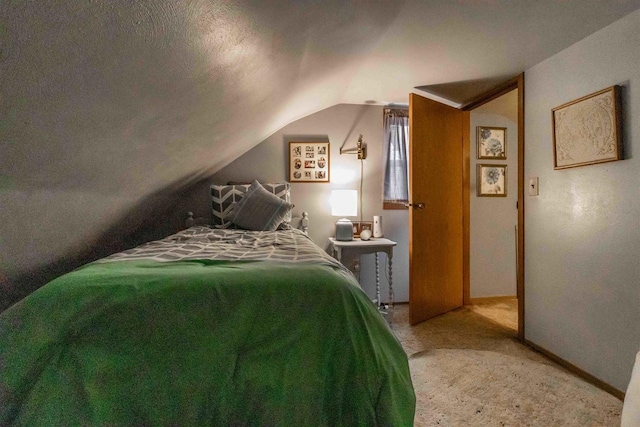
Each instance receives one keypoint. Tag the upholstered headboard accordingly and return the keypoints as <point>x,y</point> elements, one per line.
<point>224,198</point>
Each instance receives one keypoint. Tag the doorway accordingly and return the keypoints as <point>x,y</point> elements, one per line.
<point>517,84</point>
<point>493,209</point>
<point>429,295</point>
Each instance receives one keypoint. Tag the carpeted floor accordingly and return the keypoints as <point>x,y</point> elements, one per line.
<point>469,369</point>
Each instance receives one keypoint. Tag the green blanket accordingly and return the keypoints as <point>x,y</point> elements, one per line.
<point>201,343</point>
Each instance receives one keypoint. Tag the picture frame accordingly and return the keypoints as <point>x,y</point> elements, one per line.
<point>491,180</point>
<point>309,162</point>
<point>491,142</point>
<point>588,130</point>
<point>360,226</point>
<point>366,225</point>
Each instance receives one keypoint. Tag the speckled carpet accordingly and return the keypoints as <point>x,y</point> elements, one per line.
<point>469,369</point>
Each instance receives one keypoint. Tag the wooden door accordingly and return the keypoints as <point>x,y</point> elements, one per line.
<point>436,212</point>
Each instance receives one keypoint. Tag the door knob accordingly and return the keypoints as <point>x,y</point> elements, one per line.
<point>415,205</point>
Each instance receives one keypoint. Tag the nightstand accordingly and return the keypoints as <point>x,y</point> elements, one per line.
<point>349,251</point>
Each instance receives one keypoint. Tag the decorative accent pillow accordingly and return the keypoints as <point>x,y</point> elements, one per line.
<point>259,210</point>
<point>225,197</point>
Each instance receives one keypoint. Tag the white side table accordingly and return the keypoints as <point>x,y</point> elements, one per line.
<point>352,249</point>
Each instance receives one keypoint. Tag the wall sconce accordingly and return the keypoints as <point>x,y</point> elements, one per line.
<point>360,149</point>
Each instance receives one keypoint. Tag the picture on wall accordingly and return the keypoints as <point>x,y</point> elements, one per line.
<point>309,161</point>
<point>491,180</point>
<point>587,131</point>
<point>492,143</point>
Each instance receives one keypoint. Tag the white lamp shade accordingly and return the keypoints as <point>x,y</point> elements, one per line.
<point>344,203</point>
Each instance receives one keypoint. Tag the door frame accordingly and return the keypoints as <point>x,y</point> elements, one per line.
<point>514,83</point>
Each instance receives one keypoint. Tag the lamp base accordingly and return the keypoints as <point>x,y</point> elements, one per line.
<point>344,230</point>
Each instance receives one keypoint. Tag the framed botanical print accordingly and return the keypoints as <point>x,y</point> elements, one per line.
<point>491,180</point>
<point>492,143</point>
<point>309,161</point>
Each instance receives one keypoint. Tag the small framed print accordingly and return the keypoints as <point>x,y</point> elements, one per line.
<point>366,225</point>
<point>356,228</point>
<point>491,180</point>
<point>492,143</point>
<point>360,226</point>
<point>309,161</point>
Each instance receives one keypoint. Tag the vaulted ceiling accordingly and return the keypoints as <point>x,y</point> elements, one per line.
<point>104,102</point>
<point>106,95</point>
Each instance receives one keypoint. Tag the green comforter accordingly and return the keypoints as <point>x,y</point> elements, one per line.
<point>201,342</point>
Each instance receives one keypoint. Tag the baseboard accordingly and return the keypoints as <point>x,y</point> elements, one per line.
<point>579,372</point>
<point>483,300</point>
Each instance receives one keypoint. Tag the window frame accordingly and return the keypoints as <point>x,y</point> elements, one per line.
<point>390,204</point>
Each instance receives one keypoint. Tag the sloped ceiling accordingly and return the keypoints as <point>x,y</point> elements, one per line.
<point>101,94</point>
<point>105,102</point>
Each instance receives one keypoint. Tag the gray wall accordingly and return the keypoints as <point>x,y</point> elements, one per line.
<point>492,232</point>
<point>339,124</point>
<point>582,268</point>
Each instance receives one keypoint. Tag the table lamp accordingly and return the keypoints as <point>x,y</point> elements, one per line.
<point>344,203</point>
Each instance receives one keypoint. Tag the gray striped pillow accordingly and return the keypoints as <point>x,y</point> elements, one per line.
<point>260,210</point>
<point>225,197</point>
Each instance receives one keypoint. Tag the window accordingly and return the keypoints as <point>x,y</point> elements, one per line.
<point>396,143</point>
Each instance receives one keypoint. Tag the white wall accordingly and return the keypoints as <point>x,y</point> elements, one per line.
<point>582,268</point>
<point>342,123</point>
<point>493,219</point>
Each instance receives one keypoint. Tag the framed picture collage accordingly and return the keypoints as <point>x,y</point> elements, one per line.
<point>309,161</point>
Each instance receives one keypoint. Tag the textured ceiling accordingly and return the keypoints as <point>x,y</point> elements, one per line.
<point>105,104</point>
<point>132,95</point>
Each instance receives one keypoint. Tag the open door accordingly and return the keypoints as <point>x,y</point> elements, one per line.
<point>436,211</point>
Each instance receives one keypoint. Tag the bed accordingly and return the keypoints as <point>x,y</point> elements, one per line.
<point>213,325</point>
